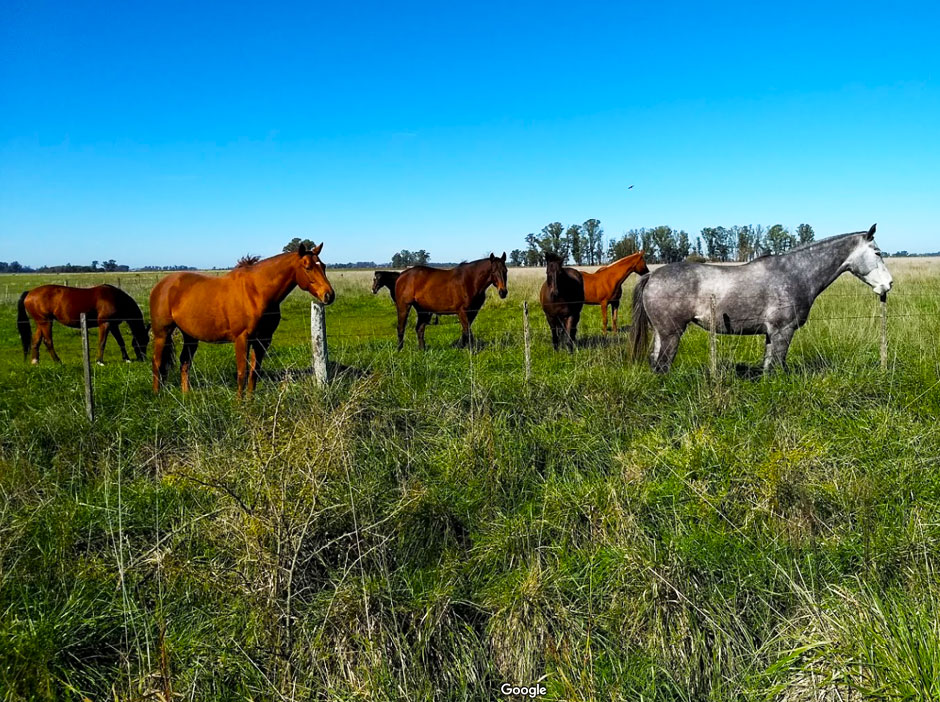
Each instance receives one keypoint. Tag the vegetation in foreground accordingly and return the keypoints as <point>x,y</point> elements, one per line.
<point>431,525</point>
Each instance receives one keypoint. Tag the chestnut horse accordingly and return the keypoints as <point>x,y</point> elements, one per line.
<point>241,307</point>
<point>602,287</point>
<point>387,279</point>
<point>562,297</point>
<point>104,305</point>
<point>460,290</point>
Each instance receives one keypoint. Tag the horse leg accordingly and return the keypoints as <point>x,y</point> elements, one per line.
<point>776,352</point>
<point>47,340</point>
<point>34,348</point>
<point>103,329</point>
<point>553,325</point>
<point>465,321</point>
<point>604,316</point>
<point>260,349</point>
<point>186,359</point>
<point>241,361</point>
<point>159,363</point>
<point>424,318</point>
<point>116,333</point>
<point>403,311</point>
<point>614,309</point>
<point>665,348</point>
<point>571,331</point>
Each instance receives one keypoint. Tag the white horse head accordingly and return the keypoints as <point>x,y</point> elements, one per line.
<point>866,263</point>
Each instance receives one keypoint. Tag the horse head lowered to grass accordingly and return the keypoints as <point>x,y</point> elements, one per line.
<point>771,295</point>
<point>240,307</point>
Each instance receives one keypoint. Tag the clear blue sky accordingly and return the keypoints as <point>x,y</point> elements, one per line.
<point>164,133</point>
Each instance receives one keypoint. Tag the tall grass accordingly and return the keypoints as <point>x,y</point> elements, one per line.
<point>430,526</point>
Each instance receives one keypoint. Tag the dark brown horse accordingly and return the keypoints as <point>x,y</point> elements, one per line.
<point>241,307</point>
<point>603,286</point>
<point>562,297</point>
<point>104,305</point>
<point>460,290</point>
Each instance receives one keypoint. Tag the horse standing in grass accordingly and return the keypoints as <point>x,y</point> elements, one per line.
<point>460,290</point>
<point>603,286</point>
<point>562,297</point>
<point>387,279</point>
<point>240,307</point>
<point>771,295</point>
<point>104,305</point>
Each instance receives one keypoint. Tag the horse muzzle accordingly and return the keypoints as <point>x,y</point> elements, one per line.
<point>503,293</point>
<point>328,297</point>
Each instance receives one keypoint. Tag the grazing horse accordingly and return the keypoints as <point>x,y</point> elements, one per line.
<point>104,305</point>
<point>562,297</point>
<point>771,295</point>
<point>602,287</point>
<point>241,307</point>
<point>460,290</point>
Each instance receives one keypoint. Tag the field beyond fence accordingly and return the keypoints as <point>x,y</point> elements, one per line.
<point>433,525</point>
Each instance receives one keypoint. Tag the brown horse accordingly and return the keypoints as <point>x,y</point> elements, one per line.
<point>602,287</point>
<point>562,297</point>
<point>104,305</point>
<point>241,307</point>
<point>460,290</point>
<point>387,279</point>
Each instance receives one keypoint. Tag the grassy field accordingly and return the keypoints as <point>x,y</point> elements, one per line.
<point>431,526</point>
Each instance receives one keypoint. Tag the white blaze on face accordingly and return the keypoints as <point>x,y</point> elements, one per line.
<point>866,263</point>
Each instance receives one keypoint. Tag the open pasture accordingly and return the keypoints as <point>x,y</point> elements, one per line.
<point>432,525</point>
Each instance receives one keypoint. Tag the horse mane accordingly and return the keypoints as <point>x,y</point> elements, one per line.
<point>812,244</point>
<point>247,260</point>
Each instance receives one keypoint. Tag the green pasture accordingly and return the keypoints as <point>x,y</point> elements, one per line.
<point>432,525</point>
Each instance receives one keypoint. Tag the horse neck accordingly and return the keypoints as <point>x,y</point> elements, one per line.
<point>622,268</point>
<point>129,310</point>
<point>274,277</point>
<point>480,274</point>
<point>821,265</point>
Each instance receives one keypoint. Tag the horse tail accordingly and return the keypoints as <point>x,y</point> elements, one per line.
<point>22,324</point>
<point>639,329</point>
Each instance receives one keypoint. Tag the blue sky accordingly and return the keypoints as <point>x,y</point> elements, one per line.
<point>165,133</point>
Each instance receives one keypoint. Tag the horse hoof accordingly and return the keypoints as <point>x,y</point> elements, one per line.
<point>35,362</point>
<point>99,363</point>
<point>127,360</point>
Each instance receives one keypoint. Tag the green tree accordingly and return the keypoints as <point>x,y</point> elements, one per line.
<point>626,245</point>
<point>805,234</point>
<point>534,255</point>
<point>574,242</point>
<point>594,241</point>
<point>295,243</point>
<point>421,257</point>
<point>553,240</point>
<point>779,239</point>
<point>516,257</point>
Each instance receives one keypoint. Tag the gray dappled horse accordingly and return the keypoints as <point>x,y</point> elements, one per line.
<point>770,295</point>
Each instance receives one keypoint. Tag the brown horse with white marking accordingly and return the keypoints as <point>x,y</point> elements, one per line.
<point>104,305</point>
<point>460,290</point>
<point>603,286</point>
<point>241,307</point>
<point>562,297</point>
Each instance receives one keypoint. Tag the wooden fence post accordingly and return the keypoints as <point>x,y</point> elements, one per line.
<point>86,362</point>
<point>525,337</point>
<point>318,341</point>
<point>712,338</point>
<point>884,331</point>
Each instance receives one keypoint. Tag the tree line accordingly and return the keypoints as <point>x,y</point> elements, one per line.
<point>584,244</point>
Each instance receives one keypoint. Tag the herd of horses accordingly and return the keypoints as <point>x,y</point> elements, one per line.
<point>770,295</point>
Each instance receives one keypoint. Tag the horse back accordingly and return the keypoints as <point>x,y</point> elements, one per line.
<point>439,290</point>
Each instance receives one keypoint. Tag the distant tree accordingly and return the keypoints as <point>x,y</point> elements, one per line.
<point>110,265</point>
<point>628,244</point>
<point>534,256</point>
<point>594,241</point>
<point>805,234</point>
<point>516,257</point>
<point>94,265</point>
<point>553,239</point>
<point>683,245</point>
<point>779,239</point>
<point>421,257</point>
<point>574,242</point>
<point>717,243</point>
<point>295,243</point>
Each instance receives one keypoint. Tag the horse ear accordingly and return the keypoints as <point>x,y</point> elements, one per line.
<point>492,257</point>
<point>871,232</point>
<point>316,249</point>
<point>301,250</point>
<point>503,257</point>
